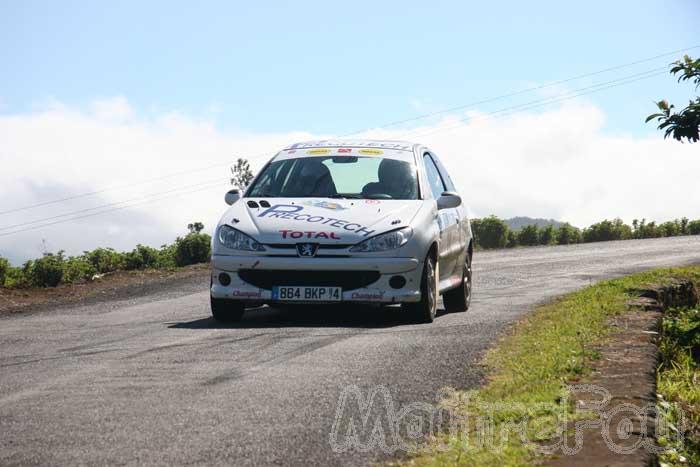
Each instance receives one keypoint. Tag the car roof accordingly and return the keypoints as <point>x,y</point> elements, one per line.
<point>353,143</point>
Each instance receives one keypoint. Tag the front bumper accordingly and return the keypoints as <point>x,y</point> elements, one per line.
<point>378,292</point>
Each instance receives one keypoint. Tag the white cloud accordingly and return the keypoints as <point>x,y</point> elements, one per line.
<point>557,164</point>
<point>114,108</point>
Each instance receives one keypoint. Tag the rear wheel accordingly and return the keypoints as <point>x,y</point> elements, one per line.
<point>424,311</point>
<point>227,311</point>
<point>457,300</point>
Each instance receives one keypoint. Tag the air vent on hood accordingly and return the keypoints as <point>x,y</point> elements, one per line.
<point>252,204</point>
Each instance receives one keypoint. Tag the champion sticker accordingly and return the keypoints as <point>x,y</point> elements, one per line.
<point>371,152</point>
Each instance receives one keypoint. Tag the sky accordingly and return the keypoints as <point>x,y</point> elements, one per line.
<point>97,96</point>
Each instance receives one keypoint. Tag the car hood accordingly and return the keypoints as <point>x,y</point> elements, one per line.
<point>318,220</point>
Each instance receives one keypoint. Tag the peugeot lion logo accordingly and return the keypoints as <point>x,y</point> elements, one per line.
<point>307,249</point>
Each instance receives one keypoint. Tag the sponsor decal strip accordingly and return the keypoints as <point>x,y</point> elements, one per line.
<point>294,212</point>
<point>300,234</point>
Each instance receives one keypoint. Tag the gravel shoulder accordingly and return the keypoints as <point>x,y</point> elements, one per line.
<point>118,286</point>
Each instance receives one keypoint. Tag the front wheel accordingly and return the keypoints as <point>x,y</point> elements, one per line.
<point>457,300</point>
<point>227,311</point>
<point>425,310</point>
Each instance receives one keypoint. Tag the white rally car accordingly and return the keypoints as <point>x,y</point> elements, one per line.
<point>344,221</point>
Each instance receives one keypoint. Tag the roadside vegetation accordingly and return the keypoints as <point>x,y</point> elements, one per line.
<point>685,123</point>
<point>678,384</point>
<point>53,269</point>
<point>528,370</point>
<point>492,232</point>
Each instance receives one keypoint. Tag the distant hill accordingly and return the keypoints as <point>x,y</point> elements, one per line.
<point>515,223</point>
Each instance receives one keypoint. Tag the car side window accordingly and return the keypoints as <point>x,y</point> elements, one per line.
<point>445,176</point>
<point>437,186</point>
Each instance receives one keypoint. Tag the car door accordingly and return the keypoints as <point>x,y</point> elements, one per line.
<point>447,220</point>
<point>462,235</point>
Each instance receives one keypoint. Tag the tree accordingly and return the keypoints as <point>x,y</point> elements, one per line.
<point>195,227</point>
<point>490,232</point>
<point>686,123</point>
<point>241,175</point>
<point>512,239</point>
<point>547,235</point>
<point>694,227</point>
<point>670,228</point>
<point>4,267</point>
<point>194,248</point>
<point>607,230</point>
<point>529,235</point>
<point>568,234</point>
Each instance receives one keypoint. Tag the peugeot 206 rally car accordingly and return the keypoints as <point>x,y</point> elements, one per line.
<point>344,221</point>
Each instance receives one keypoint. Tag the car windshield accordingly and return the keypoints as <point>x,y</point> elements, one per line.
<point>337,177</point>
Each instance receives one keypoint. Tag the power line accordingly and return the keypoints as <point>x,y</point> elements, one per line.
<point>103,212</point>
<point>522,91</point>
<point>216,181</point>
<point>542,102</point>
<point>114,188</point>
<point>387,125</point>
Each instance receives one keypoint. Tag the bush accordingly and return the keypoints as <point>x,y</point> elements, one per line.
<point>166,256</point>
<point>529,235</point>
<point>568,234</point>
<point>15,278</point>
<point>547,235</point>
<point>670,228</point>
<point>512,239</point>
<point>77,269</point>
<point>46,271</point>
<point>694,227</point>
<point>490,232</point>
<point>4,267</point>
<point>105,260</point>
<point>609,230</point>
<point>141,257</point>
<point>192,249</point>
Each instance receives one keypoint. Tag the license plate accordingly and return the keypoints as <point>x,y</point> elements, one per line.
<point>307,294</point>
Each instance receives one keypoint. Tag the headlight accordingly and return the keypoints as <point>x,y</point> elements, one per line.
<point>237,240</point>
<point>387,241</point>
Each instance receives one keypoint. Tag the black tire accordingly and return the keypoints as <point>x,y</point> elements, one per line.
<point>458,300</point>
<point>425,310</point>
<point>227,311</point>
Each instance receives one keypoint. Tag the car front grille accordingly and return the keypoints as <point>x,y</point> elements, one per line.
<point>347,280</point>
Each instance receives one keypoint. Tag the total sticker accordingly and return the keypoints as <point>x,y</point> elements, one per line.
<point>371,152</point>
<point>318,152</point>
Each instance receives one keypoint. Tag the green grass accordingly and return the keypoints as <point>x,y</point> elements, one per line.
<point>678,384</point>
<point>528,370</point>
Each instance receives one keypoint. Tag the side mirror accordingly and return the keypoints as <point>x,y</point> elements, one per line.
<point>448,200</point>
<point>232,196</point>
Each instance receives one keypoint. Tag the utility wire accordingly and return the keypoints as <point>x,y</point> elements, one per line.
<point>522,91</point>
<point>116,187</point>
<point>387,125</point>
<point>216,181</point>
<point>543,102</point>
<point>4,234</point>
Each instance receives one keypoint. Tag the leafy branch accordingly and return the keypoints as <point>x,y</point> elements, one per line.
<point>686,122</point>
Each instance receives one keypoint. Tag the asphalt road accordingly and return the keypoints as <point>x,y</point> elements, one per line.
<point>154,380</point>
